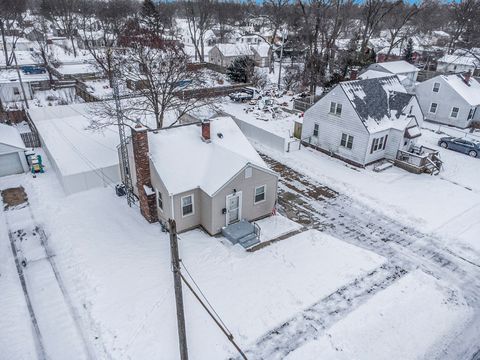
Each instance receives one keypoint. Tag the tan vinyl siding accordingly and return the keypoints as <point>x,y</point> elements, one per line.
<point>250,211</point>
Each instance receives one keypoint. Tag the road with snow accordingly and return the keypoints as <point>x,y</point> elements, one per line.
<point>315,206</point>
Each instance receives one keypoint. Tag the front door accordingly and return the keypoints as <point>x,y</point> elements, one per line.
<point>234,207</point>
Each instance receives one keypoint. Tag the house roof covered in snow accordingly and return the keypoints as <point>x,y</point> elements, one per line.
<point>234,50</point>
<point>459,60</point>
<point>185,162</point>
<point>398,67</point>
<point>11,137</point>
<point>373,74</point>
<point>379,102</point>
<point>470,92</point>
<point>262,49</point>
<point>74,147</point>
<point>11,76</point>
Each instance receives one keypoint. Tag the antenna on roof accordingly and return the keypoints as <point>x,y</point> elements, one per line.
<point>124,163</point>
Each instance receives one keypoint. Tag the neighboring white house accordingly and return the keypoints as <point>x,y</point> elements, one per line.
<point>450,99</point>
<point>457,63</point>
<point>224,54</point>
<point>10,89</point>
<point>407,73</point>
<point>262,54</point>
<point>363,121</point>
<point>82,158</point>
<point>206,175</point>
<point>12,151</point>
<point>21,44</point>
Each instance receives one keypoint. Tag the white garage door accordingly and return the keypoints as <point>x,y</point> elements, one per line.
<point>10,164</point>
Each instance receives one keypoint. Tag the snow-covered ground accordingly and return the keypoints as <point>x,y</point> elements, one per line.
<point>380,329</point>
<point>117,270</point>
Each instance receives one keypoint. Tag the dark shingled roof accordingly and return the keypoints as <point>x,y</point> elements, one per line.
<point>377,99</point>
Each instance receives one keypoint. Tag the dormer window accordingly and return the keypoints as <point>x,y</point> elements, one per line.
<point>436,87</point>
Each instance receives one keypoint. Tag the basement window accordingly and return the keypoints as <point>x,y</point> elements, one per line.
<point>187,205</point>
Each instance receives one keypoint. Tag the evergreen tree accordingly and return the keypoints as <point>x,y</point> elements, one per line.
<point>408,52</point>
<point>241,69</point>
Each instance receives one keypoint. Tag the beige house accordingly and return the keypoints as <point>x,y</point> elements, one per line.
<point>205,175</point>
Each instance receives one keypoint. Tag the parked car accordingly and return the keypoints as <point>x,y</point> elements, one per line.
<point>466,146</point>
<point>32,69</point>
<point>245,94</point>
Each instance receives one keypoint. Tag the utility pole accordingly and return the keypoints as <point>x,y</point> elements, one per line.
<point>281,58</point>
<point>177,279</point>
<point>20,77</point>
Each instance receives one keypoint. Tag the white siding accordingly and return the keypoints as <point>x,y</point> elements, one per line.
<point>446,98</point>
<point>332,126</point>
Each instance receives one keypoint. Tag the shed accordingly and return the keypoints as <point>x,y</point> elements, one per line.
<point>82,158</point>
<point>12,151</point>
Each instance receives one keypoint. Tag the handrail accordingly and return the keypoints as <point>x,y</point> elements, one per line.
<point>257,230</point>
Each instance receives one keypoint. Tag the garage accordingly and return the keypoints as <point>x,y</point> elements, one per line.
<point>12,152</point>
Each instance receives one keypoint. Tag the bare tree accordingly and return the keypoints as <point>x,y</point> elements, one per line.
<point>199,16</point>
<point>64,15</point>
<point>464,18</point>
<point>398,24</point>
<point>43,51</point>
<point>160,74</point>
<point>373,14</point>
<point>107,21</point>
<point>11,19</point>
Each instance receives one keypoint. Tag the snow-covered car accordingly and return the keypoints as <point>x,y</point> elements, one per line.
<point>240,96</point>
<point>466,146</point>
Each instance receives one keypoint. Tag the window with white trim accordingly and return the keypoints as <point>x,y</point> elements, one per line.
<point>187,205</point>
<point>259,194</point>
<point>315,130</point>
<point>436,87</point>
<point>433,108</point>
<point>454,112</point>
<point>159,200</point>
<point>335,108</point>
<point>16,91</point>
<point>347,141</point>
<point>379,144</point>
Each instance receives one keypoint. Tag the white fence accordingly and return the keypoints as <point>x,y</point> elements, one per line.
<point>451,131</point>
<point>262,136</point>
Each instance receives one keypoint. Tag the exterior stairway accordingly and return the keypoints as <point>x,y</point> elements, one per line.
<point>242,232</point>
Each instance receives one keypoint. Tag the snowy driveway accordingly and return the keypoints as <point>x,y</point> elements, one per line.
<point>406,249</point>
<point>57,331</point>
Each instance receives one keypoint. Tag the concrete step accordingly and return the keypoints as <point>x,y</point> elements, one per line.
<point>249,240</point>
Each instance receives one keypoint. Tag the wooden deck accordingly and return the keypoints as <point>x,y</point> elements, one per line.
<point>419,160</point>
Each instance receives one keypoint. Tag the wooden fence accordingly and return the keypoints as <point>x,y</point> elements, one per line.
<point>30,139</point>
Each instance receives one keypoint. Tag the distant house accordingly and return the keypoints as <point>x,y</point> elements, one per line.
<point>458,64</point>
<point>10,89</point>
<point>205,175</point>
<point>407,73</point>
<point>12,152</point>
<point>225,54</point>
<point>262,55</point>
<point>363,121</point>
<point>450,99</point>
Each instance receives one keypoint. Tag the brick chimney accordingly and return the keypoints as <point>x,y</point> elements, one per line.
<point>206,130</point>
<point>466,77</point>
<point>146,194</point>
<point>353,74</point>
